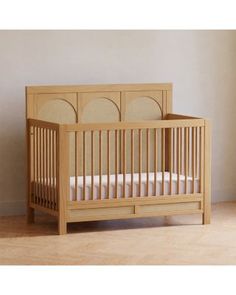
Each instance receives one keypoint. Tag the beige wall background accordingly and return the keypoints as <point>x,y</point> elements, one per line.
<point>201,65</point>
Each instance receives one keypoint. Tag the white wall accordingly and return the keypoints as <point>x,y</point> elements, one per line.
<point>201,64</point>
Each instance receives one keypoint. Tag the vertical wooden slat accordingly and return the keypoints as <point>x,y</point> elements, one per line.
<point>37,165</point>
<point>92,165</point>
<point>170,158</point>
<point>193,159</point>
<point>30,169</point>
<point>181,150</point>
<point>108,164</point>
<point>196,151</point>
<point>44,170</point>
<point>186,149</point>
<point>57,147</point>
<point>140,162</point>
<point>40,166</point>
<point>57,171</point>
<point>155,161</point>
<point>46,167</point>
<point>50,169</point>
<point>163,159</point>
<point>132,162</point>
<point>116,163</point>
<point>34,163</point>
<point>189,154</point>
<point>76,166</point>
<point>43,167</point>
<point>120,151</point>
<point>174,150</point>
<point>124,163</point>
<point>201,160</point>
<point>53,170</point>
<point>47,184</point>
<point>100,164</point>
<point>178,160</point>
<point>147,160</point>
<point>84,165</point>
<point>167,149</point>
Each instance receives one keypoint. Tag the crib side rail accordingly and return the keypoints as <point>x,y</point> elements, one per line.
<point>172,148</point>
<point>43,165</point>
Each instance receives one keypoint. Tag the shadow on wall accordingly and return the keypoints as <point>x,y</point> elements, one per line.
<point>13,173</point>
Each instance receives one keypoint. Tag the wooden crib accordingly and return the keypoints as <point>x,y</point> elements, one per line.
<point>80,171</point>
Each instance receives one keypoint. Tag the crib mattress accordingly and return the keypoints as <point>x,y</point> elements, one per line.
<point>136,192</point>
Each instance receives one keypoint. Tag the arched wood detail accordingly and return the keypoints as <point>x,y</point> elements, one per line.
<point>66,103</point>
<point>106,111</point>
<point>153,99</point>
<point>87,98</point>
<point>97,98</point>
<point>40,100</point>
<point>63,99</point>
<point>128,97</point>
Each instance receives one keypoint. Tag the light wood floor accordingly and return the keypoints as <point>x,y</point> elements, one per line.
<point>168,240</point>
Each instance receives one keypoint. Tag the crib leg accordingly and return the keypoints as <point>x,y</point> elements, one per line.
<point>30,215</point>
<point>206,218</point>
<point>62,226</point>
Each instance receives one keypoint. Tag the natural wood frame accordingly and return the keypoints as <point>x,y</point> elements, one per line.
<point>73,211</point>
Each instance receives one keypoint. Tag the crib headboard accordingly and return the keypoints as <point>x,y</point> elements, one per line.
<point>76,99</point>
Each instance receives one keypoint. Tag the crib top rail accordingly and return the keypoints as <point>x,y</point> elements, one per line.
<point>96,87</point>
<point>171,121</point>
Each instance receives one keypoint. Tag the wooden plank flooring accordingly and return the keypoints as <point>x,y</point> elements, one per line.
<point>170,240</point>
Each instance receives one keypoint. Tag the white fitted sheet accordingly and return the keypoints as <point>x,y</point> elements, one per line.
<point>79,196</point>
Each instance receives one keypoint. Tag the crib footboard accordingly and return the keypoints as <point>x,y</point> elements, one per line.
<point>120,170</point>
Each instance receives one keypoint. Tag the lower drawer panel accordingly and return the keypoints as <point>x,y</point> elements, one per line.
<point>132,211</point>
<point>167,207</point>
<point>98,213</point>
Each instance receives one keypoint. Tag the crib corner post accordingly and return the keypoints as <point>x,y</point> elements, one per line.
<point>63,178</point>
<point>30,210</point>
<point>207,174</point>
